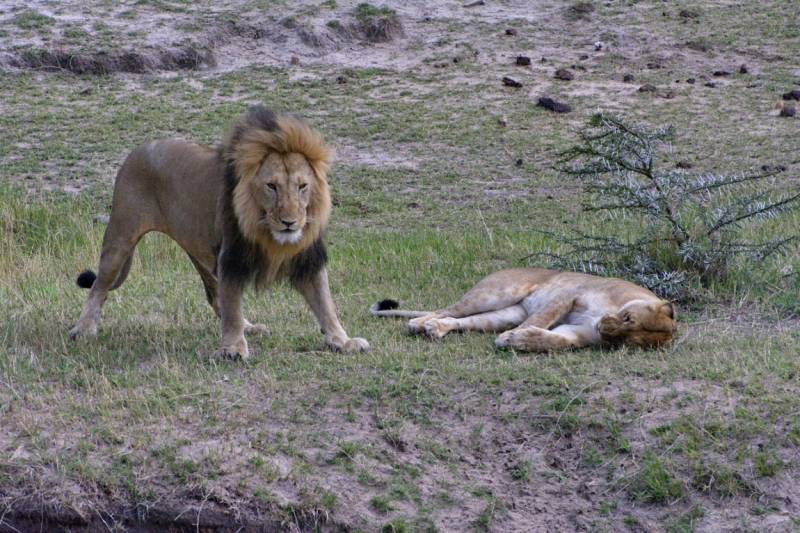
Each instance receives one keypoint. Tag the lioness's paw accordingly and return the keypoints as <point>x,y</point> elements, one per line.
<point>256,329</point>
<point>439,327</point>
<point>230,352</point>
<point>504,340</point>
<point>417,325</point>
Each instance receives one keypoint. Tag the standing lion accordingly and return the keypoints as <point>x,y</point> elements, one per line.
<point>252,211</point>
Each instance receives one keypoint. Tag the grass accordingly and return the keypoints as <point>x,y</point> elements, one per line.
<point>422,430</point>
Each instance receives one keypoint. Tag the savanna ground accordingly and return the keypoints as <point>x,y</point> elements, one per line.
<point>444,174</point>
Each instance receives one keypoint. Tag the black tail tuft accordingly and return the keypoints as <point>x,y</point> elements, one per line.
<point>386,305</point>
<point>86,279</point>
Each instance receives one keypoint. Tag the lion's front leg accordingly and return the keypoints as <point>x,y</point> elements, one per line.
<point>317,293</point>
<point>234,345</point>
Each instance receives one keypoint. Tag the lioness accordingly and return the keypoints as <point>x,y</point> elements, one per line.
<point>550,310</point>
<point>252,211</point>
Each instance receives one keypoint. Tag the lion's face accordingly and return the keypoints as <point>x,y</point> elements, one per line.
<point>283,187</point>
<point>283,203</point>
<point>646,324</point>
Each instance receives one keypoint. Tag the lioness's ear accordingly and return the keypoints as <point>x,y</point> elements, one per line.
<point>668,308</point>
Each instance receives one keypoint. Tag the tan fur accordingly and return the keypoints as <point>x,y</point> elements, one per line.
<point>545,310</point>
<point>177,187</point>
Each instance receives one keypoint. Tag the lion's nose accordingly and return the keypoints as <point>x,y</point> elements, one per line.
<point>288,223</point>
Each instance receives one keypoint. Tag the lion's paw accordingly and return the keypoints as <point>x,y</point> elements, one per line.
<point>79,331</point>
<point>353,344</point>
<point>230,352</point>
<point>256,329</point>
<point>356,344</point>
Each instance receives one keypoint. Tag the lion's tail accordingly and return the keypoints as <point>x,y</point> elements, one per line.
<point>86,278</point>
<point>390,308</point>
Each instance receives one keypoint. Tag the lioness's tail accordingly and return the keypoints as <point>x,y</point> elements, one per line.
<point>86,278</point>
<point>390,308</point>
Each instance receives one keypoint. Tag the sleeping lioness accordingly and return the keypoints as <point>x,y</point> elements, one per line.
<point>543,310</point>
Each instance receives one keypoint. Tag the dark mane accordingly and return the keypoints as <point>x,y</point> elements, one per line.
<point>242,259</point>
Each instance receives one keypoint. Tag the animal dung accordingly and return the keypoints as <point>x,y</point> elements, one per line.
<point>511,82</point>
<point>552,105</point>
<point>564,74</point>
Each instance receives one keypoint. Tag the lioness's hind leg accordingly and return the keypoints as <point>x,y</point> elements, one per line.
<point>500,320</point>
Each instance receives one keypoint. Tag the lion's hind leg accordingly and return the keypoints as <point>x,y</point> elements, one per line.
<point>115,262</point>
<point>211,288</point>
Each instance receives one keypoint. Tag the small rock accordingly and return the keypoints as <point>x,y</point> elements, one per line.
<point>743,68</point>
<point>653,66</point>
<point>544,59</point>
<point>564,74</point>
<point>669,95</point>
<point>793,95</point>
<point>719,73</point>
<point>578,67</point>
<point>503,121</point>
<point>86,92</point>
<point>628,78</point>
<point>519,162</point>
<point>511,31</point>
<point>688,14</point>
<point>511,82</point>
<point>583,57</point>
<point>458,59</point>
<point>101,219</point>
<point>690,80</point>
<point>295,60</point>
<point>523,61</point>
<point>710,84</point>
<point>647,88</point>
<point>341,79</point>
<point>683,164</point>
<point>770,168</point>
<point>583,7</point>
<point>598,46</point>
<point>552,105</point>
<point>788,111</point>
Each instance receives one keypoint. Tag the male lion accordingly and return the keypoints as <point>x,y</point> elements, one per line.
<point>550,310</point>
<point>252,211</point>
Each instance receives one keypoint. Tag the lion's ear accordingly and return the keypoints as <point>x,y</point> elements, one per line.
<point>668,308</point>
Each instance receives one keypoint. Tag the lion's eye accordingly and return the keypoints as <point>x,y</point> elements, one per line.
<point>272,186</point>
<point>303,186</point>
<point>627,318</point>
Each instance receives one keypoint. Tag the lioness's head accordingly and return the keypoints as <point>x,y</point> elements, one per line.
<point>281,198</point>
<point>642,323</point>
